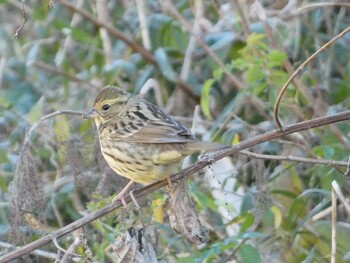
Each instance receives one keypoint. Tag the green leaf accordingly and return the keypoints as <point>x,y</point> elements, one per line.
<point>310,256</point>
<point>298,208</point>
<point>221,44</point>
<point>204,201</point>
<point>277,215</point>
<point>239,63</point>
<point>205,97</point>
<point>36,112</point>
<point>248,221</point>
<point>275,58</point>
<point>323,245</point>
<point>255,39</point>
<point>61,127</point>
<point>217,73</point>
<point>278,78</point>
<point>185,260</point>
<point>259,87</point>
<point>164,64</point>
<point>254,74</point>
<point>272,96</point>
<point>173,36</point>
<point>249,254</point>
<point>3,156</point>
<point>247,203</point>
<point>76,33</point>
<point>34,52</point>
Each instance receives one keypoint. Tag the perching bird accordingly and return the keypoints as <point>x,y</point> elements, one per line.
<point>138,140</point>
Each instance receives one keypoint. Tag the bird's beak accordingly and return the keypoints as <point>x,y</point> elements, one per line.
<point>90,114</point>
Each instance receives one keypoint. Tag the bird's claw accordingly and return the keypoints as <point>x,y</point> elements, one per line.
<point>169,184</point>
<point>206,158</point>
<point>120,198</point>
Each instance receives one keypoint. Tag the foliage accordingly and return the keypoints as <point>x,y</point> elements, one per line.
<point>59,61</point>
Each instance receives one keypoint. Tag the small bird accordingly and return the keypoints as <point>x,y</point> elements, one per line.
<point>138,140</point>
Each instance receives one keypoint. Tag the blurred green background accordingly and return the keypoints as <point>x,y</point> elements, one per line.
<point>229,57</point>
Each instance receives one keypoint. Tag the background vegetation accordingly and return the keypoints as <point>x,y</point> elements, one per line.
<point>229,57</point>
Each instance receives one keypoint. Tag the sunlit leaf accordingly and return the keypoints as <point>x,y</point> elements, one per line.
<point>236,139</point>
<point>61,127</point>
<point>255,38</point>
<point>205,106</point>
<point>254,74</point>
<point>36,112</point>
<point>217,73</point>
<point>277,214</point>
<point>276,58</point>
<point>157,208</point>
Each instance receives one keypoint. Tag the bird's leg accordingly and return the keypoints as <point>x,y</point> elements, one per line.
<point>169,185</point>
<point>121,194</point>
<point>131,193</point>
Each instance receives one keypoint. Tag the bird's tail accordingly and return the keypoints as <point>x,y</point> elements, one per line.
<point>205,146</point>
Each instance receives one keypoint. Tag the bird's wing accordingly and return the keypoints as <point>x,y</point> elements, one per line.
<point>151,126</point>
<point>153,132</point>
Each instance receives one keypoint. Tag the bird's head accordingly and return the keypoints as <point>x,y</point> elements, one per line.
<point>108,104</point>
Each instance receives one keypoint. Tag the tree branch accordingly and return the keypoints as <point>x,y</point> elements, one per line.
<point>343,116</point>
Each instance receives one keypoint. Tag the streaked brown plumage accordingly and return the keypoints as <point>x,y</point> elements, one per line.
<point>138,140</point>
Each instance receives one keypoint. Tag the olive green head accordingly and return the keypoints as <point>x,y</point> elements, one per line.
<point>108,104</point>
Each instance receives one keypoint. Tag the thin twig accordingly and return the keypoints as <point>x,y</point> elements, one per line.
<point>334,225</point>
<point>149,85</point>
<point>347,172</point>
<point>141,11</point>
<point>343,116</point>
<point>2,69</point>
<point>309,7</point>
<point>54,241</point>
<point>36,124</point>
<point>293,159</point>
<point>188,28</point>
<point>234,252</point>
<point>242,14</point>
<point>185,70</point>
<point>67,44</point>
<point>340,196</point>
<point>37,252</point>
<point>103,15</point>
<point>24,20</point>
<point>112,30</point>
<point>299,69</point>
<point>55,71</point>
<point>322,214</point>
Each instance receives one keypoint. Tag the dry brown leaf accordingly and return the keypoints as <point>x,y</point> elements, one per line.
<point>183,215</point>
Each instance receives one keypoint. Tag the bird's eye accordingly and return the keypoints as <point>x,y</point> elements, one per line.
<point>106,107</point>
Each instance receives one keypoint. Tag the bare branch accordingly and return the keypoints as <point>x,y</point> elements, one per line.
<point>298,70</point>
<point>293,159</point>
<point>334,225</point>
<point>24,20</point>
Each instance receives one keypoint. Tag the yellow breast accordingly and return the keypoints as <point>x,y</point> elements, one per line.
<point>142,163</point>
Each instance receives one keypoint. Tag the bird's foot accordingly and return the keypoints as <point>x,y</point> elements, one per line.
<point>120,197</point>
<point>206,158</point>
<point>169,184</point>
